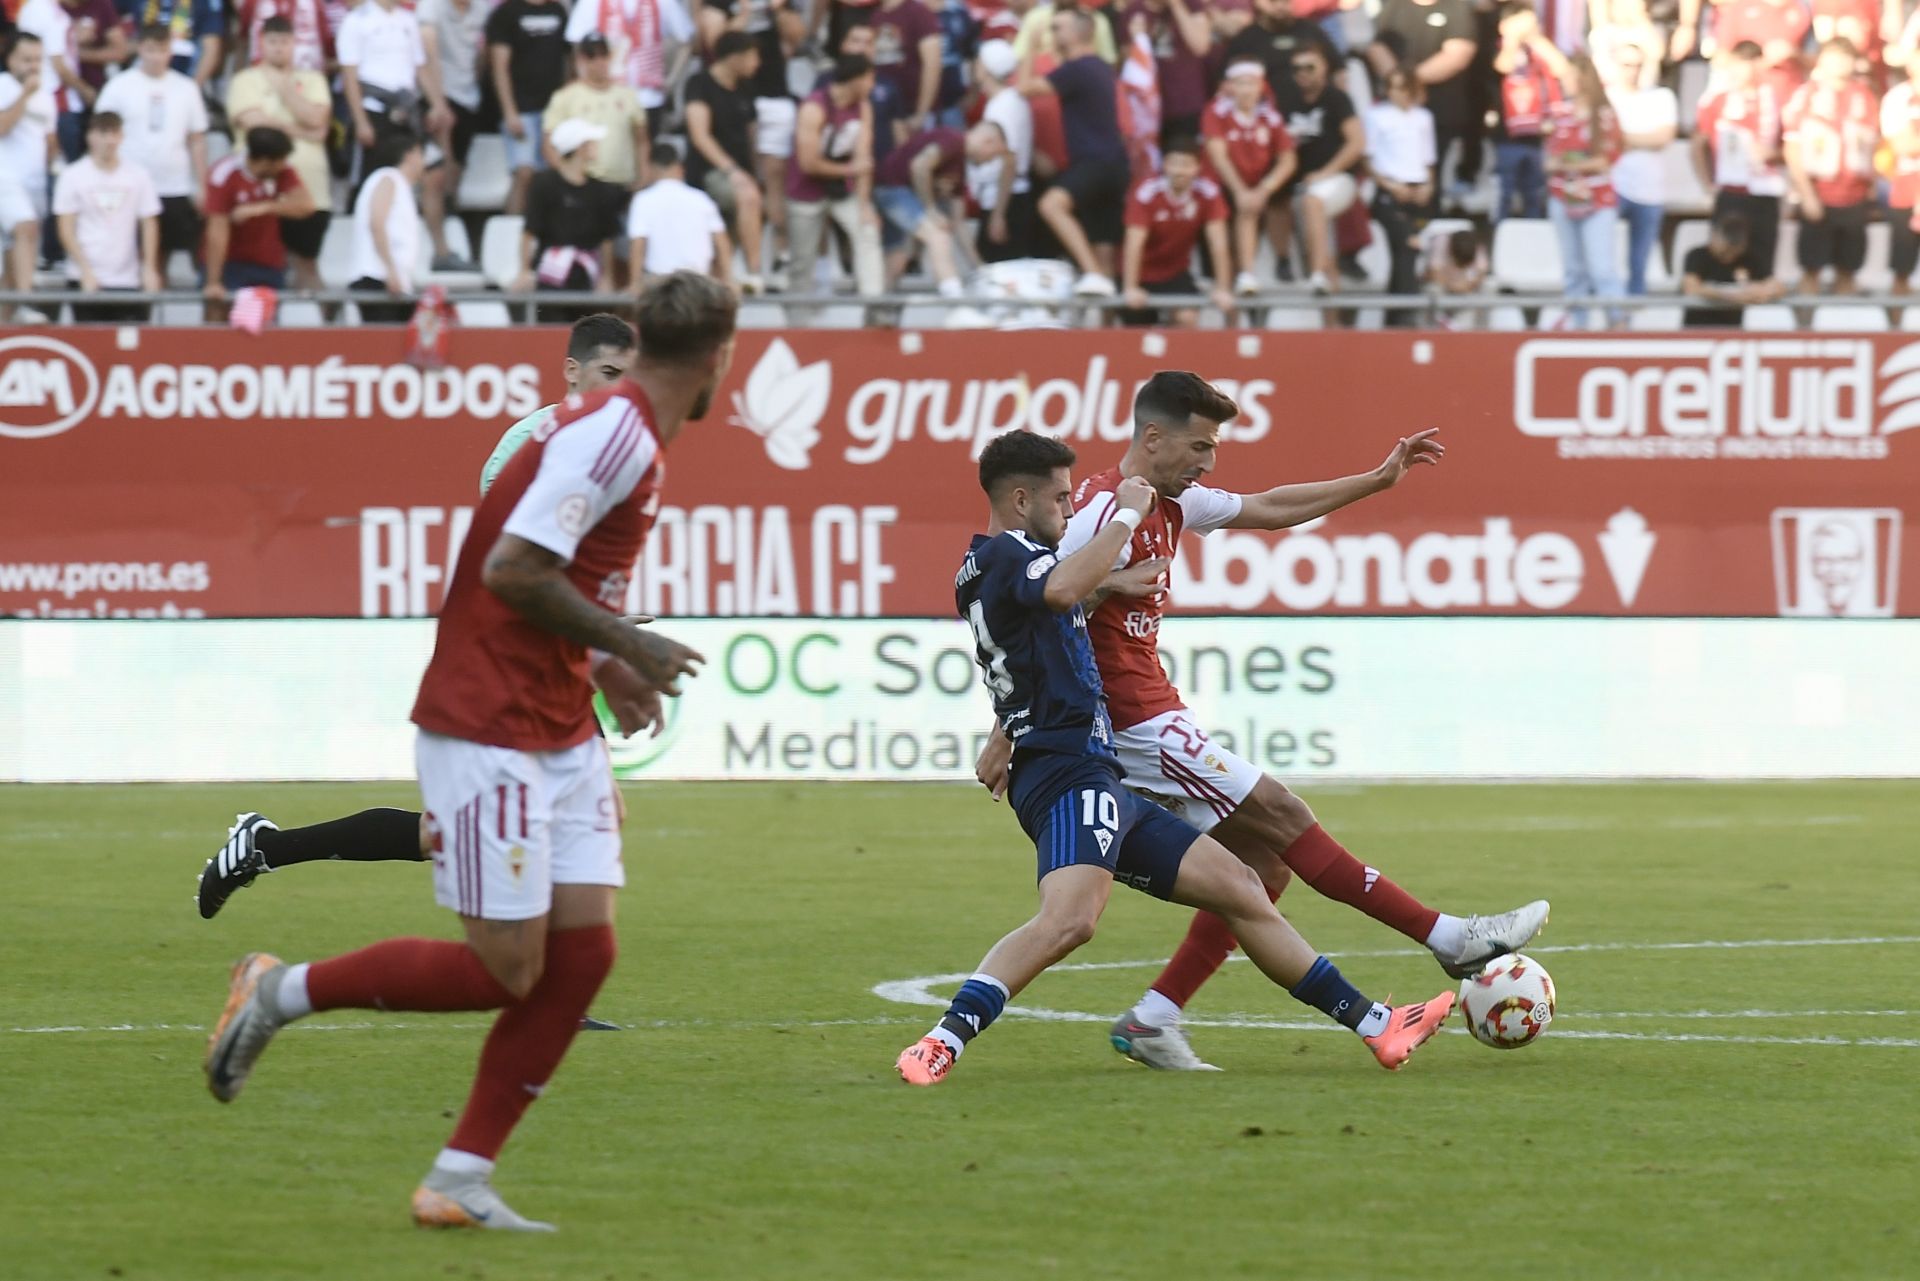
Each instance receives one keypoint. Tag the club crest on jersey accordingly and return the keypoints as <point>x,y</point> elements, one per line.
<point>1038,568</point>
<point>575,514</point>
<point>613,590</point>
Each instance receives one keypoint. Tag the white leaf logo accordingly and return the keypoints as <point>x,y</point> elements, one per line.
<point>784,403</point>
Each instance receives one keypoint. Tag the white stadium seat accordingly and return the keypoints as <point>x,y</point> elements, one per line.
<point>1849,318</point>
<point>483,315</point>
<point>300,313</point>
<point>1687,237</point>
<point>1656,319</point>
<point>500,249</point>
<point>486,181</point>
<point>1769,320</point>
<point>1294,318</point>
<point>336,253</point>
<point>1526,256</point>
<point>1685,195</point>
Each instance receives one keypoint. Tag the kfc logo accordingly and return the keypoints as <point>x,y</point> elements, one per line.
<point>1754,398</point>
<point>1836,562</point>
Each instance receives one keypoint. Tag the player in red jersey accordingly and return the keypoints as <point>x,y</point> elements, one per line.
<point>1250,151</point>
<point>514,776</point>
<point>1168,757</point>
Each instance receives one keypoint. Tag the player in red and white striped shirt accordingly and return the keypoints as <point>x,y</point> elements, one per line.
<point>1163,750</point>
<point>513,772</point>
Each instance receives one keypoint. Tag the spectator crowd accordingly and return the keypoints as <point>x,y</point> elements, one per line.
<point>1204,151</point>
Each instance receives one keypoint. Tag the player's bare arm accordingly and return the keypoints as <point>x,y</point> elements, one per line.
<point>1288,505</point>
<point>533,581</point>
<point>1079,575</point>
<point>1141,579</point>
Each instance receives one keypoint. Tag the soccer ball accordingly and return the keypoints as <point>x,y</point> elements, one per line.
<point>1509,1003</point>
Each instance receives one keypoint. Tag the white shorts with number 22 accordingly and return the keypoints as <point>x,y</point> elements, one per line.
<point>1172,762</point>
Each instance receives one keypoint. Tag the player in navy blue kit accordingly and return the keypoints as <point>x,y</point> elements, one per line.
<point>1024,604</point>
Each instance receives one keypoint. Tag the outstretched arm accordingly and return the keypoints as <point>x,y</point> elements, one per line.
<point>1288,505</point>
<point>1076,577</point>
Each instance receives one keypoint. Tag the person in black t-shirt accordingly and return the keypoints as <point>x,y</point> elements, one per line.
<point>527,56</point>
<point>567,240</point>
<point>777,27</point>
<point>1085,204</point>
<point>1436,40</point>
<point>721,127</point>
<point>1719,271</point>
<point>1331,143</point>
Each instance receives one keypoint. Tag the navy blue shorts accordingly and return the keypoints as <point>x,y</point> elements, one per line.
<point>1077,811</point>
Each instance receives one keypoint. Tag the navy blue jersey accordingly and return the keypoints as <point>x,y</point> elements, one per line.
<point>1037,661</point>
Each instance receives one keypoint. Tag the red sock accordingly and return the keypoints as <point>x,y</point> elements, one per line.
<point>1200,955</point>
<point>529,1039</point>
<point>1324,863</point>
<point>406,974</point>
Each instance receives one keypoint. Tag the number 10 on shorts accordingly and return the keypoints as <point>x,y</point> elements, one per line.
<point>1099,809</point>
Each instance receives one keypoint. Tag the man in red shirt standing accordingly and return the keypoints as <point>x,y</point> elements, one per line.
<point>1165,218</point>
<point>247,196</point>
<point>519,796</point>
<point>1170,759</point>
<point>1736,152</point>
<point>1832,129</point>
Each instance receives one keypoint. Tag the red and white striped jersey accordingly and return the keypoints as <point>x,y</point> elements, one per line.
<point>586,486</point>
<point>1125,630</point>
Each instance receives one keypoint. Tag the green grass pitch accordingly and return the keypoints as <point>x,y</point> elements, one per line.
<point>1736,1112</point>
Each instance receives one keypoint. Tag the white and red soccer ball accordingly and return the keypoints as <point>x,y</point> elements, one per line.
<point>1509,1003</point>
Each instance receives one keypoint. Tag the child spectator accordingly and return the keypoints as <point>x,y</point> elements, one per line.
<point>1736,152</point>
<point>1530,71</point>
<point>1401,151</point>
<point>1831,129</point>
<point>1251,154</point>
<point>572,220</point>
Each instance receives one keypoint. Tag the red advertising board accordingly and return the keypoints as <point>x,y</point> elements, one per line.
<point>314,473</point>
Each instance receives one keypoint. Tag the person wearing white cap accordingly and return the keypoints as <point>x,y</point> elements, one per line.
<point>1253,156</point>
<point>572,219</point>
<point>999,166</point>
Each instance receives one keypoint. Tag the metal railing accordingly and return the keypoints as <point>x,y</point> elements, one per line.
<point>1431,309</point>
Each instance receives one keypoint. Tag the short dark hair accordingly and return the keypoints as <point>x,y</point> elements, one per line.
<point>105,122</point>
<point>601,329</point>
<point>20,38</point>
<point>1748,51</point>
<point>264,142</point>
<point>731,43</point>
<point>1173,396</point>
<point>155,33</point>
<point>1183,144</point>
<point>277,25</point>
<point>1514,8</point>
<point>394,148</point>
<point>1733,228</point>
<point>684,316</point>
<point>849,67</point>
<point>1020,455</point>
<point>665,155</point>
<point>1463,247</point>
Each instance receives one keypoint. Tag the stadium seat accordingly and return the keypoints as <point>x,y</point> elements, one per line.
<point>1910,320</point>
<point>219,147</point>
<point>336,254</point>
<point>178,314</point>
<point>1849,318</point>
<point>300,313</point>
<point>483,315</point>
<point>838,316</point>
<point>1375,259</point>
<point>1685,195</point>
<point>1506,320</point>
<point>923,315</point>
<point>1769,319</point>
<point>1526,256</point>
<point>1294,319</point>
<point>1694,74</point>
<point>1786,254</point>
<point>486,181</point>
<point>1656,319</point>
<point>500,249</point>
<point>762,315</point>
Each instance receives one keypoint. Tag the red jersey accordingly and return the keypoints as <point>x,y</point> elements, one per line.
<point>1125,630</point>
<point>1254,143</point>
<point>257,240</point>
<point>586,486</point>
<point>1744,131</point>
<point>1857,21</point>
<point>1173,224</point>
<point>1835,132</point>
<point>1573,132</point>
<point>1900,118</point>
